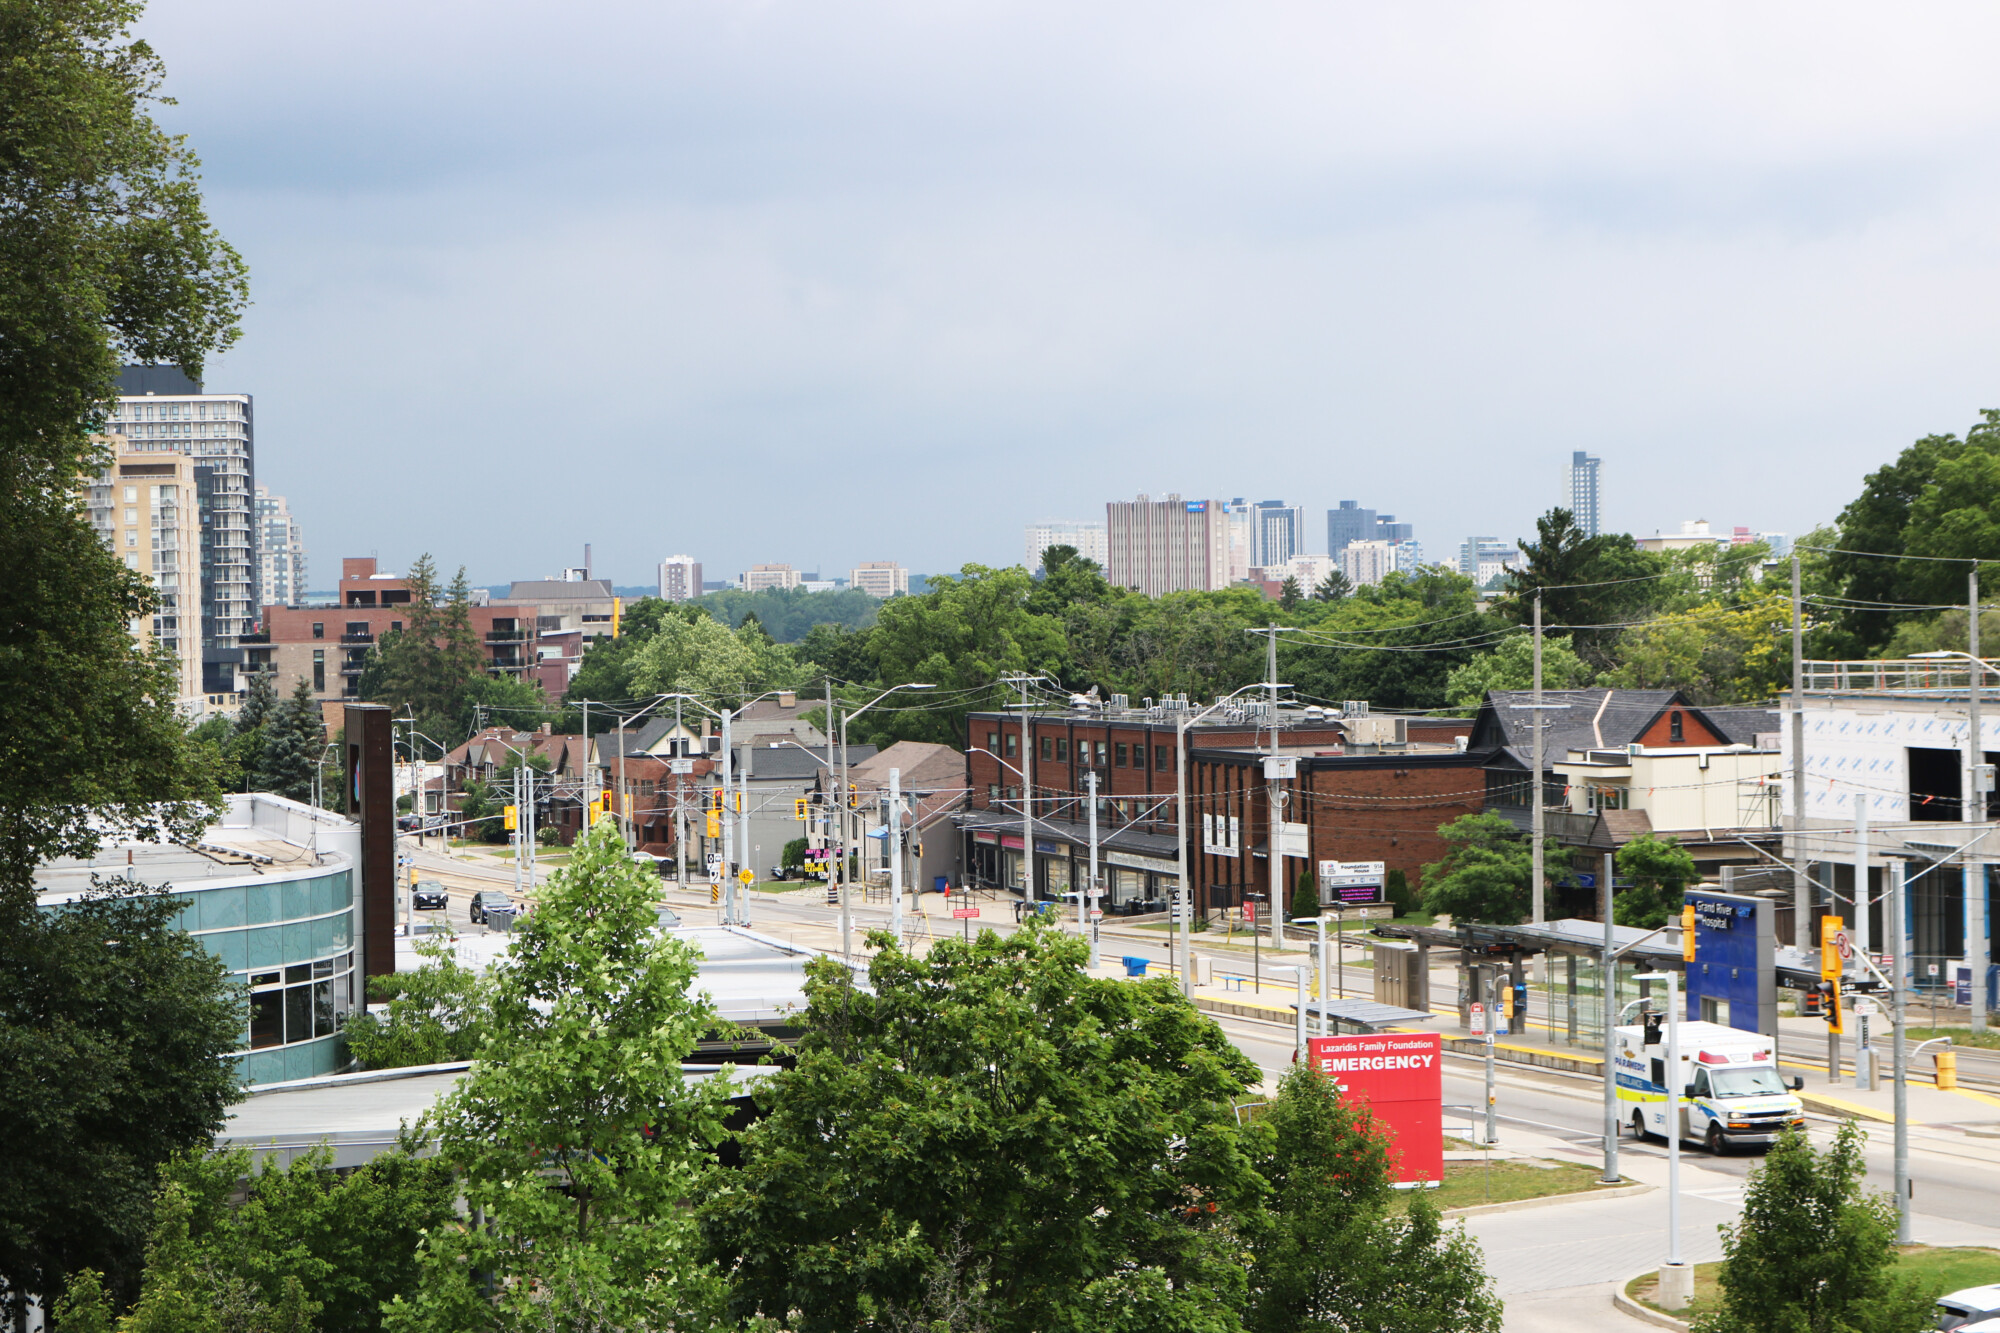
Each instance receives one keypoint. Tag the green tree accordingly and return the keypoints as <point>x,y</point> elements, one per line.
<point>1394,643</point>
<point>987,1137</point>
<point>246,733</point>
<point>840,652</point>
<point>575,1136</point>
<point>115,1033</point>
<point>1305,894</point>
<point>1326,1252</point>
<point>1333,587</point>
<point>437,1013</point>
<point>1485,873</point>
<point>1585,581</point>
<point>1812,1251</point>
<point>428,667</point>
<point>1511,666</point>
<point>1068,579</point>
<point>788,613</point>
<point>1396,891</point>
<point>293,742</point>
<point>1290,594</point>
<point>704,657</point>
<point>1717,653</point>
<point>1659,869</point>
<point>106,255</point>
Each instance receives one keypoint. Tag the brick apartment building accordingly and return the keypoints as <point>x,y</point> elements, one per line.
<point>326,646</point>
<point>1367,787</point>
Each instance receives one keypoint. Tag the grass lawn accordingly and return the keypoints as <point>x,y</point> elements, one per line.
<point>1937,1271</point>
<point>781,885</point>
<point>1467,1184</point>
<point>1989,1039</point>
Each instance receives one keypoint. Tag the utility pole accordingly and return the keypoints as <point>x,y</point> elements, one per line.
<point>896,855</point>
<point>840,810</point>
<point>1802,904</point>
<point>1978,952</point>
<point>728,826</point>
<point>1271,796</point>
<point>1863,937</point>
<point>743,845</point>
<point>681,756</point>
<point>517,827</point>
<point>1086,922</point>
<point>1898,972</point>
<point>1540,880</point>
<point>1607,991</point>
<point>1027,800</point>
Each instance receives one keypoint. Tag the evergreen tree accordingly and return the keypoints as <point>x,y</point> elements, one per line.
<point>294,740</point>
<point>429,666</point>
<point>1333,587</point>
<point>1289,593</point>
<point>1305,894</point>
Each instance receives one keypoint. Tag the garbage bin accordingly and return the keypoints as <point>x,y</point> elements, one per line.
<point>941,884</point>
<point>500,918</point>
<point>1134,967</point>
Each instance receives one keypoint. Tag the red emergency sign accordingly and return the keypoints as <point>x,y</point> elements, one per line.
<point>1399,1078</point>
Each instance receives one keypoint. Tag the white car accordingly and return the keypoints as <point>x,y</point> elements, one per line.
<point>1972,1310</point>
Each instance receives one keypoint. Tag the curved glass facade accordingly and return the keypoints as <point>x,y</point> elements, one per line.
<point>290,944</point>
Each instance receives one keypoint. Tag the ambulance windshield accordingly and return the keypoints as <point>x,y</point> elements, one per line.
<point>1757,1081</point>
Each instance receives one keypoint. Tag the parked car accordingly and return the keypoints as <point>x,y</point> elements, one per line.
<point>785,872</point>
<point>408,823</point>
<point>669,918</point>
<point>430,896</point>
<point>486,898</point>
<point>1962,1309</point>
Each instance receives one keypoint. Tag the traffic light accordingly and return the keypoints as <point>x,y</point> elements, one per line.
<point>1829,1004</point>
<point>510,818</point>
<point>799,809</point>
<point>1687,933</point>
<point>715,798</point>
<point>714,823</point>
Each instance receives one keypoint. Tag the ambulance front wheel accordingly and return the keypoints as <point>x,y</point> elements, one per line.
<point>1638,1126</point>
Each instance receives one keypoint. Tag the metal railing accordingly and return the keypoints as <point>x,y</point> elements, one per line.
<point>1907,675</point>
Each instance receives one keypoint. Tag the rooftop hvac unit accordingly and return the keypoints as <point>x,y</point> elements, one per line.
<point>1636,748</point>
<point>1355,708</point>
<point>1123,701</point>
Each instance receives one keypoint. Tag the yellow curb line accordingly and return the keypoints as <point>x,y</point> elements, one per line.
<point>1842,1104</point>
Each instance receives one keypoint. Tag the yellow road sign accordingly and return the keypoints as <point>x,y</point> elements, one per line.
<point>747,875</point>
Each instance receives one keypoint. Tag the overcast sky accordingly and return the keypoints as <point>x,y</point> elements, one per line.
<point>823,283</point>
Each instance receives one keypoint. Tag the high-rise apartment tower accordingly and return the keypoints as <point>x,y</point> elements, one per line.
<point>281,553</point>
<point>1167,545</point>
<point>160,410</point>
<point>1583,492</point>
<point>680,578</point>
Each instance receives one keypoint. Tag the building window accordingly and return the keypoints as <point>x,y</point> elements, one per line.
<point>1160,762</point>
<point>993,742</point>
<point>1048,748</point>
<point>1101,747</point>
<point>992,793</point>
<point>319,671</point>
<point>319,629</point>
<point>1062,749</point>
<point>1674,729</point>
<point>395,624</point>
<point>1120,750</point>
<point>1013,746</point>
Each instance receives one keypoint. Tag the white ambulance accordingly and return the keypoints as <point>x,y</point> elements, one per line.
<point>1731,1092</point>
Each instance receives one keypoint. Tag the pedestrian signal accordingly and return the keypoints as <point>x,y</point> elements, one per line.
<point>510,818</point>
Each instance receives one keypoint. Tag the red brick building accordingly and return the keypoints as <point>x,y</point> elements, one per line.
<point>1380,798</point>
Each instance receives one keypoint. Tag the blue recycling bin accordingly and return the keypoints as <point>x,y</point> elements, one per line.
<point>1134,967</point>
<point>941,884</point>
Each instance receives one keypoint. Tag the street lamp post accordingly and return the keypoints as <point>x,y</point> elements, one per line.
<point>1972,811</point>
<point>1182,890</point>
<point>1676,1278</point>
<point>840,808</point>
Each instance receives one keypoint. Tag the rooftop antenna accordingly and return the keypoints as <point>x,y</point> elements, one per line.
<point>586,561</point>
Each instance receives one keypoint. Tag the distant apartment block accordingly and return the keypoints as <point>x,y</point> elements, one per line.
<point>759,577</point>
<point>1696,533</point>
<point>161,411</point>
<point>680,578</point>
<point>281,552</point>
<point>1484,559</point>
<point>1583,491</point>
<point>1167,545</point>
<point>143,509</point>
<point>1087,538</point>
<point>880,578</point>
<point>1277,532</point>
<point>1366,562</point>
<point>1309,570</point>
<point>1351,523</point>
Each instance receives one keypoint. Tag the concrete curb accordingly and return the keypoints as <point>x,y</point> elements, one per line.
<point>1841,1108</point>
<point>1626,1305</point>
<point>1548,1200</point>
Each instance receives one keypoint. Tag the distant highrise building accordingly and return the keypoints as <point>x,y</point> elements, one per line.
<point>1484,559</point>
<point>1087,538</point>
<point>1348,523</point>
<point>143,508</point>
<point>1366,562</point>
<point>1277,533</point>
<point>1167,545</point>
<point>880,578</point>
<point>160,410</point>
<point>759,577</point>
<point>281,553</point>
<point>1583,492</point>
<point>680,578</point>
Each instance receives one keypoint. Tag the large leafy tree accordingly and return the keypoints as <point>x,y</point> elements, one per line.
<point>1719,652</point>
<point>436,1013</point>
<point>990,1138</point>
<point>1327,1252</point>
<point>1394,643</point>
<point>433,666</point>
<point>575,1137</point>
<point>1813,1252</point>
<point>702,656</point>
<point>1484,875</point>
<point>115,1032</point>
<point>106,255</point>
<point>1511,666</point>
<point>1659,869</point>
<point>1585,581</point>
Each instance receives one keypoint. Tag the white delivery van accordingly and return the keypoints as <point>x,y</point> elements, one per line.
<point>1731,1092</point>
